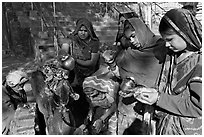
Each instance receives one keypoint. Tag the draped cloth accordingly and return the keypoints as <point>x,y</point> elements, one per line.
<point>144,64</point>
<point>85,22</point>
<point>120,37</point>
<point>179,77</point>
<point>186,25</point>
<point>82,50</point>
<point>102,82</point>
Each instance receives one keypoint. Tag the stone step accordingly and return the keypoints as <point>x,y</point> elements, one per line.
<point>24,120</point>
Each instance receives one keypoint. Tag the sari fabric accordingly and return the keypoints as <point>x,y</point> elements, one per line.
<point>144,64</point>
<point>120,37</point>
<point>180,85</point>
<point>186,25</point>
<point>103,82</point>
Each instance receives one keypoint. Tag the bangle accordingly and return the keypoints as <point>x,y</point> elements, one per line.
<point>101,120</point>
<point>159,94</point>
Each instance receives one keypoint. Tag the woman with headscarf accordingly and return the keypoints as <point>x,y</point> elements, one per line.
<point>83,46</point>
<point>179,97</point>
<point>140,62</point>
<point>120,41</point>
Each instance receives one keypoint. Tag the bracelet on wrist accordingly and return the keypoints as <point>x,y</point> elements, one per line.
<point>158,97</point>
<point>102,120</point>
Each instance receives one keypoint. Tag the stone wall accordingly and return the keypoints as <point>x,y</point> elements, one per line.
<point>42,19</point>
<point>26,24</point>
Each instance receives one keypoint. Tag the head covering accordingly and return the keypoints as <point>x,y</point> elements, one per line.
<point>126,15</point>
<point>85,22</point>
<point>144,65</point>
<point>185,25</point>
<point>144,35</point>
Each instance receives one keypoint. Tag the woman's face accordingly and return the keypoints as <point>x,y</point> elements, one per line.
<point>132,37</point>
<point>83,33</point>
<point>175,42</point>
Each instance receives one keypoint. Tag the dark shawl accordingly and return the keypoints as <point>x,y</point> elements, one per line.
<point>144,64</point>
<point>126,15</point>
<point>83,50</point>
<point>88,25</point>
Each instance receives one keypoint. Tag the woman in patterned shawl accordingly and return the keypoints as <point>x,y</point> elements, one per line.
<point>179,97</point>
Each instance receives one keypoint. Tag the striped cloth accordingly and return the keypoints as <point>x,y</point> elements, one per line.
<point>102,83</point>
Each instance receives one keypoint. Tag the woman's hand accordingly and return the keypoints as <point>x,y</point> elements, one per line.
<point>147,95</point>
<point>98,124</point>
<point>82,130</point>
<point>125,95</point>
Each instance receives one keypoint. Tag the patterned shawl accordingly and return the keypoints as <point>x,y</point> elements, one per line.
<point>186,25</point>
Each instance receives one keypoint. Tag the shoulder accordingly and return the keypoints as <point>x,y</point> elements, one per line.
<point>94,44</point>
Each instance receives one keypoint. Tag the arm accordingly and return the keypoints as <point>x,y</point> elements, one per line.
<point>184,104</point>
<point>187,103</point>
<point>110,111</point>
<point>190,102</point>
<point>98,124</point>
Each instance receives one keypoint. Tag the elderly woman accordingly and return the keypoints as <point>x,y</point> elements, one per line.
<point>179,97</point>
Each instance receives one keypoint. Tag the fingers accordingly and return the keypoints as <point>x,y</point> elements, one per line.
<point>143,99</point>
<point>97,125</point>
<point>149,97</point>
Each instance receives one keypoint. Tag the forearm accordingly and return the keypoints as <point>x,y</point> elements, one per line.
<point>110,111</point>
<point>179,104</point>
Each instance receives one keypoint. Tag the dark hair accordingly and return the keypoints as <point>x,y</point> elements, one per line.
<point>164,27</point>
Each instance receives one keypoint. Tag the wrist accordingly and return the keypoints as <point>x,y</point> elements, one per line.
<point>158,97</point>
<point>102,120</point>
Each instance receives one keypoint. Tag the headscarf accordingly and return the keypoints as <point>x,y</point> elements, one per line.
<point>144,35</point>
<point>88,25</point>
<point>185,25</point>
<point>93,43</point>
<point>126,15</point>
<point>143,65</point>
<point>84,49</point>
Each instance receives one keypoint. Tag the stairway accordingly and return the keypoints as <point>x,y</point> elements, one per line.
<point>24,121</point>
